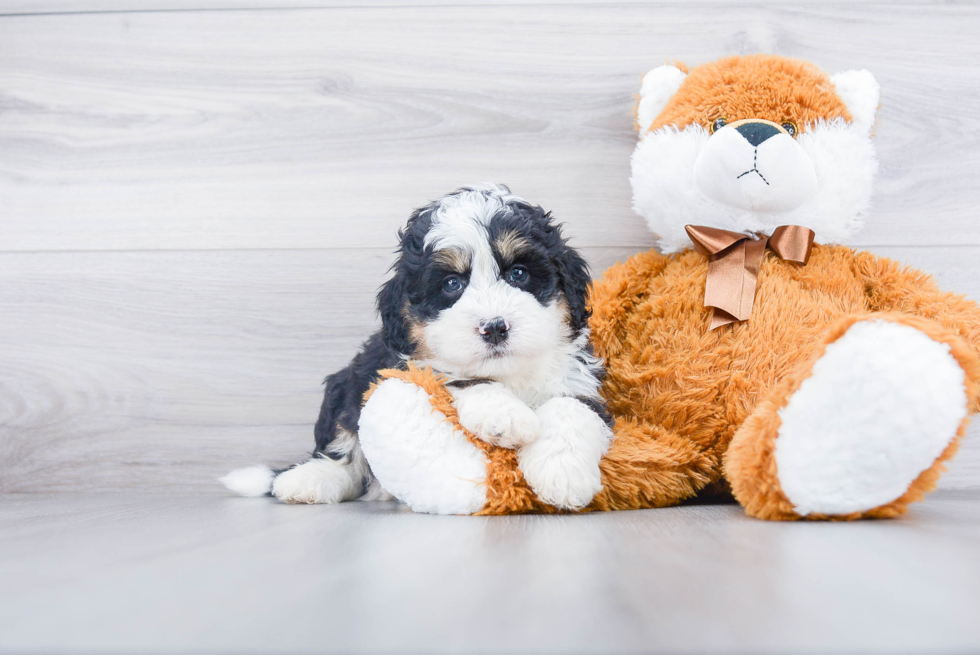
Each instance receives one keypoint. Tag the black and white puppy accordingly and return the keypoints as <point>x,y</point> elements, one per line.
<point>487,292</point>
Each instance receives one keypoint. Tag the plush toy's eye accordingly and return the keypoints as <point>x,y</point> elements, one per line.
<point>452,285</point>
<point>717,124</point>
<point>518,275</point>
<point>790,128</point>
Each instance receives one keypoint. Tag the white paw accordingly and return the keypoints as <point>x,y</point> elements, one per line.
<point>418,455</point>
<point>320,480</point>
<point>881,405</point>
<point>562,465</point>
<point>494,414</point>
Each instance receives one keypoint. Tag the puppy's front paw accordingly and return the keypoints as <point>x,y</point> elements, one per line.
<point>509,426</point>
<point>495,415</point>
<point>562,466</point>
<point>320,480</point>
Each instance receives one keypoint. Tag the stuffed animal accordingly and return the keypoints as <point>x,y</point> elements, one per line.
<point>752,353</point>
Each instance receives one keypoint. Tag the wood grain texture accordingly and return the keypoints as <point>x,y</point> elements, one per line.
<point>186,574</point>
<point>135,369</point>
<point>34,7</point>
<point>323,128</point>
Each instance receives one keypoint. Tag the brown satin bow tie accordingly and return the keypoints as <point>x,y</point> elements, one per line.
<point>733,265</point>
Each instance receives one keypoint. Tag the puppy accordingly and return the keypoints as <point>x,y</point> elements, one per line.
<point>486,291</point>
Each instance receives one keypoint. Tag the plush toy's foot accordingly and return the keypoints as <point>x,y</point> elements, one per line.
<point>562,464</point>
<point>860,429</point>
<point>418,455</point>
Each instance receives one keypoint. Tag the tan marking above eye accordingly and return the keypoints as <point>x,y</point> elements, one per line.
<point>453,258</point>
<point>509,245</point>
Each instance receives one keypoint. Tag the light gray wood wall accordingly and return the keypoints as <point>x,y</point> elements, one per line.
<point>199,199</point>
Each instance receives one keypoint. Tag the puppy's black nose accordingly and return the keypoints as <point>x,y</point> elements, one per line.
<point>494,331</point>
<point>756,133</point>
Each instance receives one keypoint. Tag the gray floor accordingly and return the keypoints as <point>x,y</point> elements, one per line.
<point>124,573</point>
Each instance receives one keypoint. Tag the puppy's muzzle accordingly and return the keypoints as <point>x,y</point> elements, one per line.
<point>494,331</point>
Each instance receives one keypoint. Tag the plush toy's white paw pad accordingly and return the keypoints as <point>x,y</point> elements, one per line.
<point>494,414</point>
<point>880,406</point>
<point>562,465</point>
<point>320,480</point>
<point>418,455</point>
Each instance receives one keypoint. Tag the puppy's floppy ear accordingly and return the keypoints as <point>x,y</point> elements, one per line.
<point>574,279</point>
<point>391,305</point>
<point>393,296</point>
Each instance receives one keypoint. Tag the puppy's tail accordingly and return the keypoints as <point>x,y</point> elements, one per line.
<point>251,481</point>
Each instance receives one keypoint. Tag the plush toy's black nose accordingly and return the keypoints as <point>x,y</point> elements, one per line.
<point>756,133</point>
<point>494,331</point>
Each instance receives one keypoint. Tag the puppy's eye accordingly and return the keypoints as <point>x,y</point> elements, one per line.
<point>452,284</point>
<point>790,128</point>
<point>518,275</point>
<point>717,124</point>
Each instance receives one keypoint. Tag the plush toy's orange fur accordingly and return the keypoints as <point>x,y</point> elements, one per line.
<point>702,390</point>
<point>774,88</point>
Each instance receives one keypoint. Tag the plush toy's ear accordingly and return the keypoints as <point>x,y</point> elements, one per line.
<point>860,92</point>
<point>659,86</point>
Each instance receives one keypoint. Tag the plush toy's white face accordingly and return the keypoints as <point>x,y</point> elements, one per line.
<point>755,165</point>
<point>749,157</point>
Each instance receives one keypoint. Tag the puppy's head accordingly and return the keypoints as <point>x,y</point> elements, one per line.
<point>484,285</point>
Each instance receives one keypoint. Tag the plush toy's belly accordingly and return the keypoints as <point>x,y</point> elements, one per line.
<point>666,367</point>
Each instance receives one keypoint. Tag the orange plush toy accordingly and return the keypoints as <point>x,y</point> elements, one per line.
<point>752,353</point>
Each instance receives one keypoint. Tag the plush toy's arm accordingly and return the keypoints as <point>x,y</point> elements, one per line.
<point>409,435</point>
<point>893,287</point>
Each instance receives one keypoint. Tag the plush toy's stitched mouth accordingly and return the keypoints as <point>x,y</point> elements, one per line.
<point>754,169</point>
